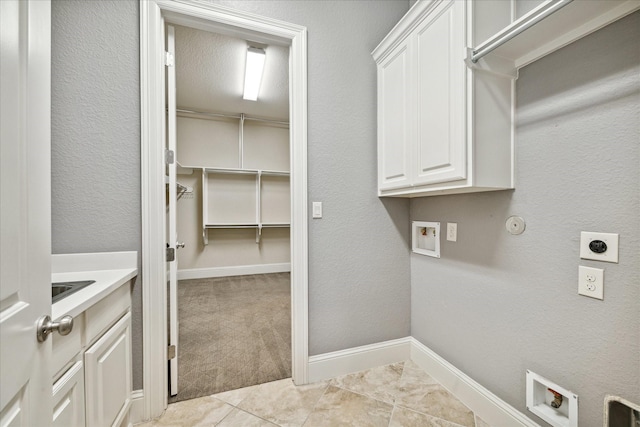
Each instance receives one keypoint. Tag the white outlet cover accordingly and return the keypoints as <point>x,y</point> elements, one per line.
<point>452,231</point>
<point>591,282</point>
<point>611,239</point>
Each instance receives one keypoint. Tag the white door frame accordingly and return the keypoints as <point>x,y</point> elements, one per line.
<point>207,16</point>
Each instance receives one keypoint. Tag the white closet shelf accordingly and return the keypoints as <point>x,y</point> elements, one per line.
<point>187,112</point>
<point>258,228</point>
<point>226,200</point>
<point>246,171</point>
<point>246,225</point>
<point>189,169</point>
<point>548,27</point>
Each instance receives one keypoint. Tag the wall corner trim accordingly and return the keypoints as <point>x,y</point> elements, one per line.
<point>136,410</point>
<point>481,401</point>
<point>331,365</point>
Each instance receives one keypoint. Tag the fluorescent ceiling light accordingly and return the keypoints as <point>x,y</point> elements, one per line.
<point>253,73</point>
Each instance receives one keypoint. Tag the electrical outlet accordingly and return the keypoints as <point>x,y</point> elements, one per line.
<point>599,246</point>
<point>452,231</point>
<point>591,282</point>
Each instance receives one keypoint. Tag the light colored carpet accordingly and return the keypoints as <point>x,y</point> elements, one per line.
<point>234,332</point>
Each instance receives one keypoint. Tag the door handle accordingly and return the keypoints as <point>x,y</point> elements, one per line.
<point>45,327</point>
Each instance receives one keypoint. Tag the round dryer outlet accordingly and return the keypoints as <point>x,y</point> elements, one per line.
<point>515,225</point>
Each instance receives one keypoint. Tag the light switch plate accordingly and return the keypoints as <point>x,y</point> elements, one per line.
<point>610,239</point>
<point>317,209</point>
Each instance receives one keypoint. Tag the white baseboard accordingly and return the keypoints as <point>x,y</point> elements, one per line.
<point>239,270</point>
<point>481,401</point>
<point>334,364</point>
<point>136,411</point>
<point>486,405</point>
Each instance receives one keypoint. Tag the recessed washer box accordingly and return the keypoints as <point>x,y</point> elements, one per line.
<point>554,404</point>
<point>425,238</point>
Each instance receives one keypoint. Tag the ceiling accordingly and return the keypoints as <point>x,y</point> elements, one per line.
<point>210,75</point>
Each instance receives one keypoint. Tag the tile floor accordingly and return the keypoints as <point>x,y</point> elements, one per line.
<point>395,395</point>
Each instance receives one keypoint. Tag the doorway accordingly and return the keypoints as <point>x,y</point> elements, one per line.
<point>217,19</point>
<point>229,214</point>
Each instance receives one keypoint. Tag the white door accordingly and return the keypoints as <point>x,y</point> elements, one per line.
<point>25,211</point>
<point>172,237</point>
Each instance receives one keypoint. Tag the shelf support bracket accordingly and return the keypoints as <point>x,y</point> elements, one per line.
<point>258,233</point>
<point>495,65</point>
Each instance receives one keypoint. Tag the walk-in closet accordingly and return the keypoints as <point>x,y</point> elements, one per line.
<point>229,303</point>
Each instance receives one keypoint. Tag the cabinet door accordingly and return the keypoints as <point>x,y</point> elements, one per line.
<point>394,121</point>
<point>68,398</point>
<point>108,375</point>
<point>440,85</point>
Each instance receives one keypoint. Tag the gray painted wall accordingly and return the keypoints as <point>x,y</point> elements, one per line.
<point>359,284</point>
<point>495,304</point>
<point>358,253</point>
<point>95,135</point>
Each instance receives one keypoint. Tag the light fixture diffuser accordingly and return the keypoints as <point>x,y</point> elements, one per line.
<point>253,73</point>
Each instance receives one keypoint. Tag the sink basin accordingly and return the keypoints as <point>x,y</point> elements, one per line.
<point>64,289</point>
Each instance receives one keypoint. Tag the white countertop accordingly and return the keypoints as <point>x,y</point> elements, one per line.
<point>110,270</point>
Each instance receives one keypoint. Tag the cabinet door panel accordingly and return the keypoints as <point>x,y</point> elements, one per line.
<point>394,129</point>
<point>108,375</point>
<point>441,143</point>
<point>68,398</point>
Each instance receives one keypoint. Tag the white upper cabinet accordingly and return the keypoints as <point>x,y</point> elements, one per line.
<point>440,154</point>
<point>446,82</point>
<point>430,139</point>
<point>394,75</point>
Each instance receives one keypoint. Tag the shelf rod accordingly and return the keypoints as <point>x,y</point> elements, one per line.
<point>243,171</point>
<point>210,226</point>
<point>516,28</point>
<point>230,116</point>
<point>245,226</point>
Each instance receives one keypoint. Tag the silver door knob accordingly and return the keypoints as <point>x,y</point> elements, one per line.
<point>45,326</point>
<point>179,245</point>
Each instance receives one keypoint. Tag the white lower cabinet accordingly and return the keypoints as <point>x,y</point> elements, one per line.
<point>68,398</point>
<point>92,386</point>
<point>108,376</point>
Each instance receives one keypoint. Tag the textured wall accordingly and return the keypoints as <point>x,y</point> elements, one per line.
<point>95,134</point>
<point>358,253</point>
<point>359,265</point>
<point>495,304</point>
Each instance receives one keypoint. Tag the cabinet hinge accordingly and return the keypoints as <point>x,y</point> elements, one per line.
<point>171,352</point>
<point>168,59</point>
<point>171,254</point>
<point>169,156</point>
